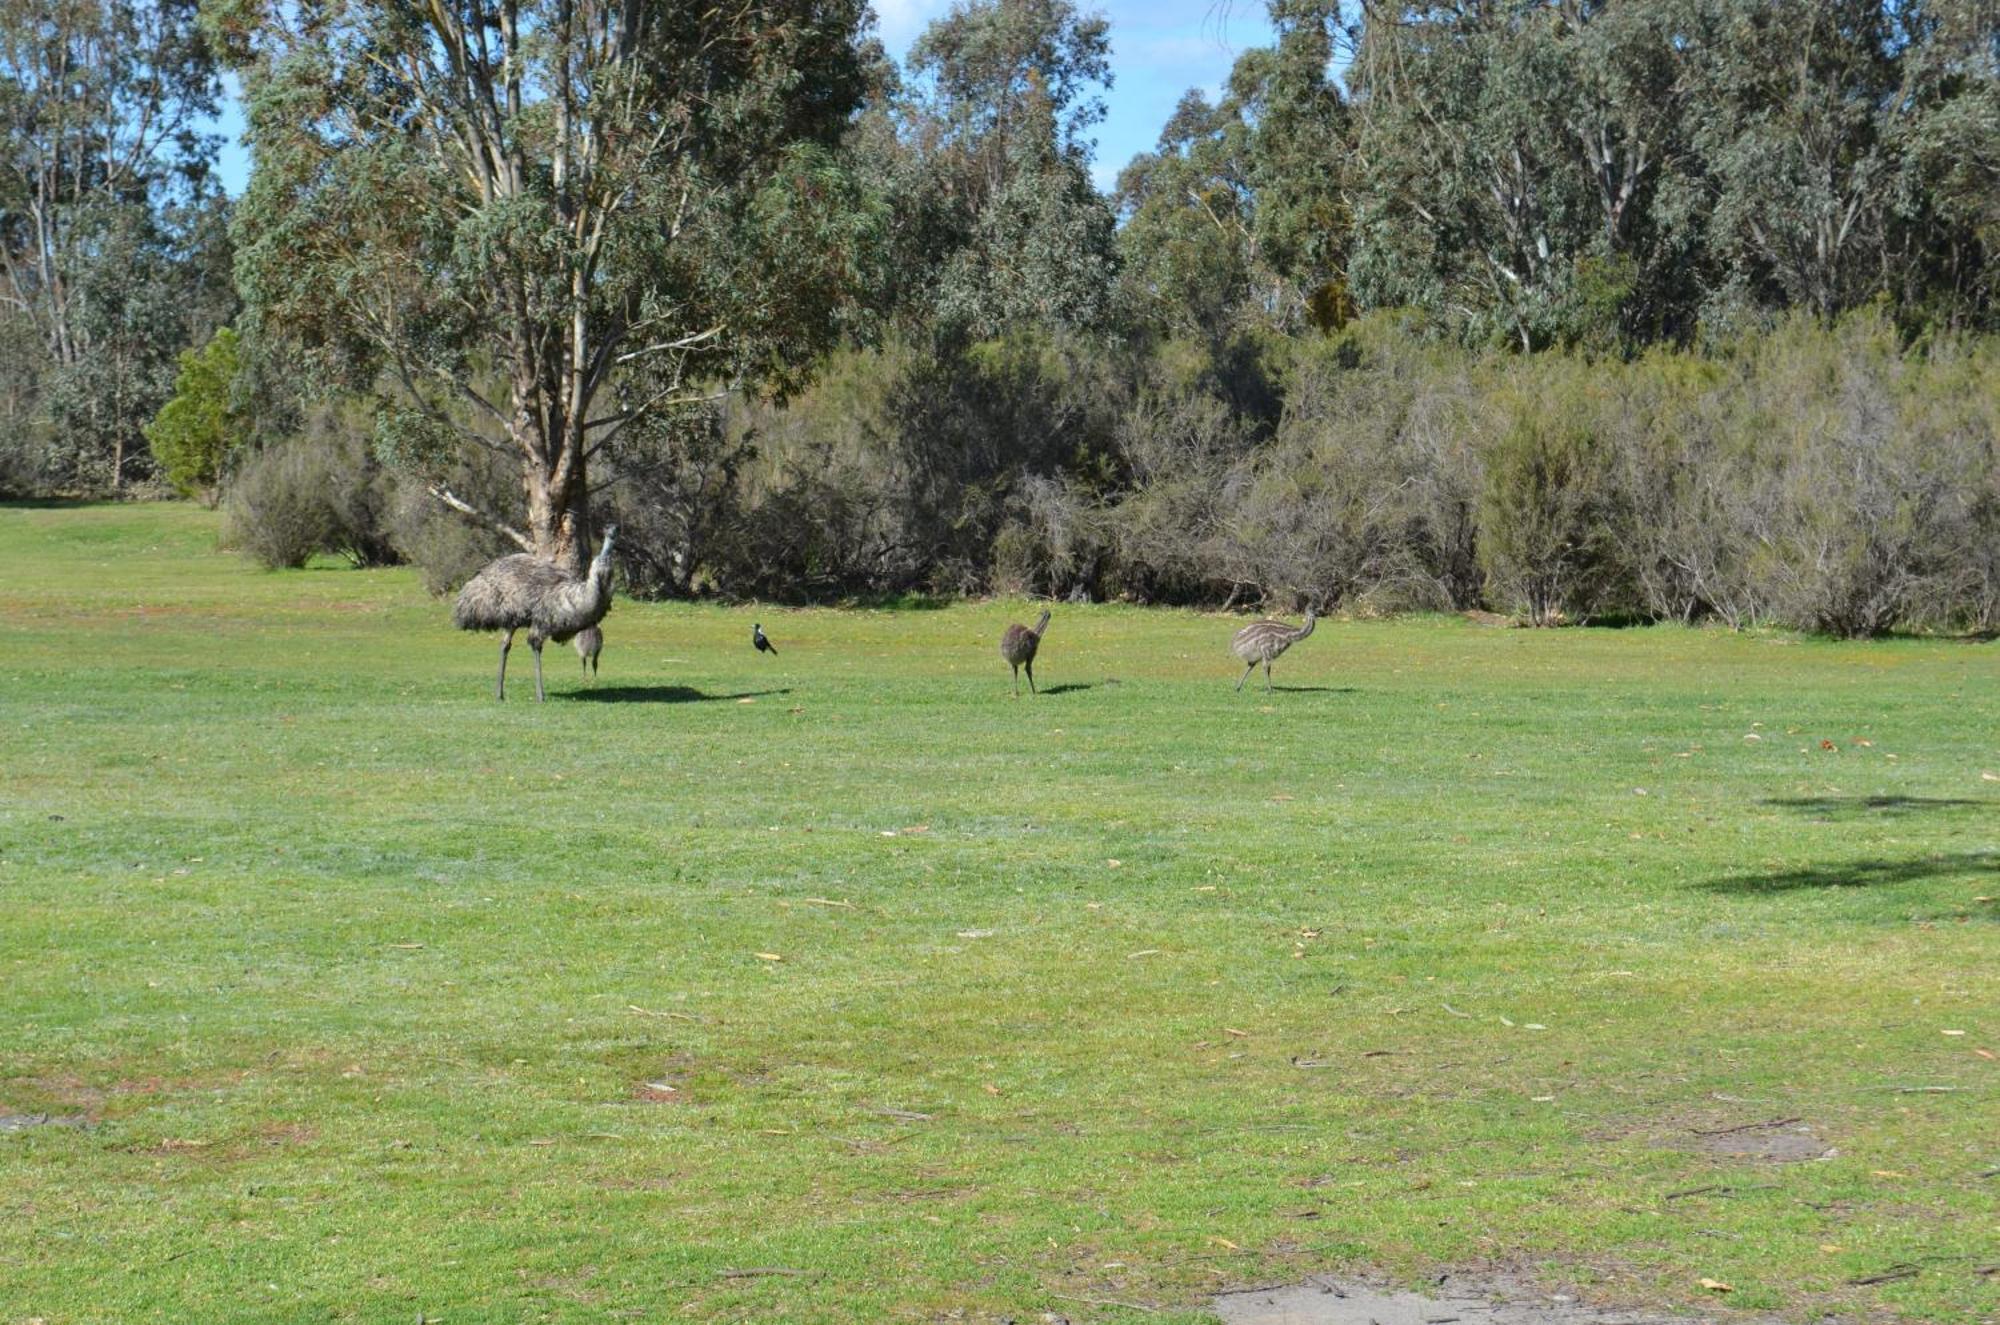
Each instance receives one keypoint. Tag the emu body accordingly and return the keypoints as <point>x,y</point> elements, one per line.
<point>526,592</point>
<point>1018,647</point>
<point>1263,641</point>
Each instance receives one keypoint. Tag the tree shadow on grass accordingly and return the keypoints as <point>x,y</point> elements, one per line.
<point>1851,807</point>
<point>660,695</point>
<point>1861,874</point>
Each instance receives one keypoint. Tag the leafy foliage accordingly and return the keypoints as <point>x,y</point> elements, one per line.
<point>195,432</point>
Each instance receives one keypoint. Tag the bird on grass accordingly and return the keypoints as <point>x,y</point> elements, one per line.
<point>589,643</point>
<point>763,644</point>
<point>1263,641</point>
<point>527,592</point>
<point>1018,647</point>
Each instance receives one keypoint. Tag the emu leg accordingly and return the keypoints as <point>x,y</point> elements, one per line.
<point>1267,676</point>
<point>1031,676</point>
<point>1017,680</point>
<point>500,686</point>
<point>1245,677</point>
<point>536,645</point>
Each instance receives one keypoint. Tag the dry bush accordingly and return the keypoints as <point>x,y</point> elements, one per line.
<point>320,492</point>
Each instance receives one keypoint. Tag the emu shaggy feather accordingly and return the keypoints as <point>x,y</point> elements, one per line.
<point>1263,641</point>
<point>525,592</point>
<point>1018,647</point>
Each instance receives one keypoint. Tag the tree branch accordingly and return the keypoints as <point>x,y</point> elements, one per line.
<point>479,517</point>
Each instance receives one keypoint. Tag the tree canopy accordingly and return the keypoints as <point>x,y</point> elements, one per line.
<point>538,223</point>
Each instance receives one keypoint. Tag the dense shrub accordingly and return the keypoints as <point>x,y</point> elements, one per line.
<point>321,492</point>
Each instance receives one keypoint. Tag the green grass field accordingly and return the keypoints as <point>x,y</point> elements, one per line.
<point>1443,956</point>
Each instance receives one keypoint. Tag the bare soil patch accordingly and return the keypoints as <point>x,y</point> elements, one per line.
<point>1497,1300</point>
<point>21,1122</point>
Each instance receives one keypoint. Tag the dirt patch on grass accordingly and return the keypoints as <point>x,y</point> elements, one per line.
<point>1790,1143</point>
<point>1774,1141</point>
<point>21,1122</point>
<point>1496,1300</point>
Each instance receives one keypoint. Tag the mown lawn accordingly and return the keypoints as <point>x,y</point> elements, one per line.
<point>1442,956</point>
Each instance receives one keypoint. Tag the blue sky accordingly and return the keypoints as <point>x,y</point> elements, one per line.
<point>1159,49</point>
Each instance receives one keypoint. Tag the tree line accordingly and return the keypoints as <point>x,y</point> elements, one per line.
<point>1566,308</point>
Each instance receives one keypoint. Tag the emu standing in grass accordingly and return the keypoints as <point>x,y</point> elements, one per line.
<point>1263,641</point>
<point>589,643</point>
<point>526,592</point>
<point>1018,647</point>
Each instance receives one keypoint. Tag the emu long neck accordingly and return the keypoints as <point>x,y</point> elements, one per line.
<point>598,583</point>
<point>1042,625</point>
<point>1312,619</point>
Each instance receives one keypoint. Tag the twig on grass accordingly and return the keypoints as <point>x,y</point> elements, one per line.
<point>1889,1276</point>
<point>1744,1127</point>
<point>763,1271</point>
<point>1107,1302</point>
<point>648,1012</point>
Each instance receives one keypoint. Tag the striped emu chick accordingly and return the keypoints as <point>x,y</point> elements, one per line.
<point>589,643</point>
<point>527,592</point>
<point>1263,641</point>
<point>1018,647</point>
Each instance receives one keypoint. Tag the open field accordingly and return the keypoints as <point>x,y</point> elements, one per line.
<point>1447,954</point>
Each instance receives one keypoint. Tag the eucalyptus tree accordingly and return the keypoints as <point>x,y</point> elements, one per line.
<point>1511,152</point>
<point>1243,205</point>
<point>533,225</point>
<point>1854,148</point>
<point>991,153</point>
<point>106,210</point>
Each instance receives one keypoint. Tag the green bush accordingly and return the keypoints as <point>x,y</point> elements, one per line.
<point>195,432</point>
<point>1550,511</point>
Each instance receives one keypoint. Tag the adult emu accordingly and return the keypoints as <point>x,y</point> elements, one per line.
<point>526,592</point>
<point>1262,641</point>
<point>589,643</point>
<point>1018,647</point>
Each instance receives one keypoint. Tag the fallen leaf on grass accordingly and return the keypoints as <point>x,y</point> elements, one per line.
<point>975,933</point>
<point>990,1088</point>
<point>1716,1286</point>
<point>1829,1247</point>
<point>768,957</point>
<point>825,901</point>
<point>1887,1173</point>
<point>1989,777</point>
<point>1951,1032</point>
<point>662,1087</point>
<point>1828,745</point>
<point>407,947</point>
<point>1114,864</point>
<point>1143,952</point>
<point>1241,1035</point>
<point>746,701</point>
<point>1225,1242</point>
<point>1985,1053</point>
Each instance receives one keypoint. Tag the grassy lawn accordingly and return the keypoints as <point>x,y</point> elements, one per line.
<point>380,998</point>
